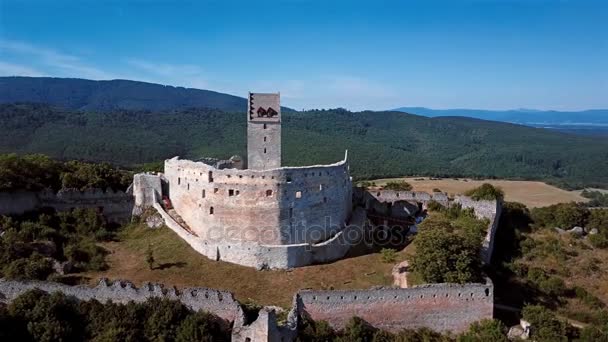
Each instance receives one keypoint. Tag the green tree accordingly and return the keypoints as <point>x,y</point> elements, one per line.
<point>485,330</point>
<point>200,326</point>
<point>545,326</point>
<point>359,330</point>
<point>446,255</point>
<point>315,331</point>
<point>486,192</point>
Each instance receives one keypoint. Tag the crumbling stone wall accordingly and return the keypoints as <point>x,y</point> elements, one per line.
<point>490,210</point>
<point>115,205</point>
<point>441,307</point>
<point>410,196</point>
<point>147,188</point>
<point>263,256</point>
<point>219,303</point>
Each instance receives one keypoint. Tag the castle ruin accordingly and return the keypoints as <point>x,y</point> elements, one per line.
<point>256,213</point>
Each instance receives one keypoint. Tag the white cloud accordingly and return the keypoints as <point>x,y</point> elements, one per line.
<point>62,64</point>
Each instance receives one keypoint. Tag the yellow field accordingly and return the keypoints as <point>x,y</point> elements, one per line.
<point>177,264</point>
<point>530,193</point>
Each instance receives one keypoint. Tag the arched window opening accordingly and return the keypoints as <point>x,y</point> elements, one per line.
<point>268,193</point>
<point>211,210</point>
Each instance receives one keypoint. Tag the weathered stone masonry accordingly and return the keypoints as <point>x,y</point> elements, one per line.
<point>441,307</point>
<point>220,303</point>
<point>116,206</point>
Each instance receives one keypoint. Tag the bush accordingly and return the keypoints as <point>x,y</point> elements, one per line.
<point>486,330</point>
<point>358,330</point>
<point>388,255</point>
<point>598,241</point>
<point>486,192</point>
<point>446,255</point>
<point>434,206</point>
<point>563,215</point>
<point>310,330</point>
<point>545,326</point>
<point>65,236</point>
<point>587,298</point>
<point>34,267</point>
<point>398,186</point>
<point>200,326</point>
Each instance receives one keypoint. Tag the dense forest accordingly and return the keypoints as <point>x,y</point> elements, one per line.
<point>74,93</point>
<point>380,144</point>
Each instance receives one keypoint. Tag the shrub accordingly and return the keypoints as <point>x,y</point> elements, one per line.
<point>486,192</point>
<point>446,255</point>
<point>310,330</point>
<point>587,298</point>
<point>358,329</point>
<point>388,255</point>
<point>434,206</point>
<point>34,267</point>
<point>485,330</point>
<point>562,215</point>
<point>598,241</point>
<point>545,326</point>
<point>398,186</point>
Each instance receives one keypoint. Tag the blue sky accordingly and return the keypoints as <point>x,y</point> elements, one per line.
<point>490,54</point>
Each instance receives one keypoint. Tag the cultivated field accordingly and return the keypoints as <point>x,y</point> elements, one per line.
<point>530,193</point>
<point>177,264</point>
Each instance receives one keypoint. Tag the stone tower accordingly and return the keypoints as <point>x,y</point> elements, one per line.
<point>263,131</point>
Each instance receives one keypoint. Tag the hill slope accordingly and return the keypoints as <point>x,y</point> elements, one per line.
<point>380,144</point>
<point>74,93</point>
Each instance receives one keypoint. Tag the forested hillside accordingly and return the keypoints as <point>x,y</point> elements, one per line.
<point>380,144</point>
<point>74,93</point>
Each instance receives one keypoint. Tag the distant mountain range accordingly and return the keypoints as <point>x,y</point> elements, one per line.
<point>530,117</point>
<point>81,94</point>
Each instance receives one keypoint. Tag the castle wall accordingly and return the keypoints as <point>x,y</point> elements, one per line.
<point>260,256</point>
<point>411,196</point>
<point>145,187</point>
<point>18,202</point>
<point>490,210</point>
<point>116,206</point>
<point>288,205</point>
<point>440,307</point>
<point>219,303</point>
